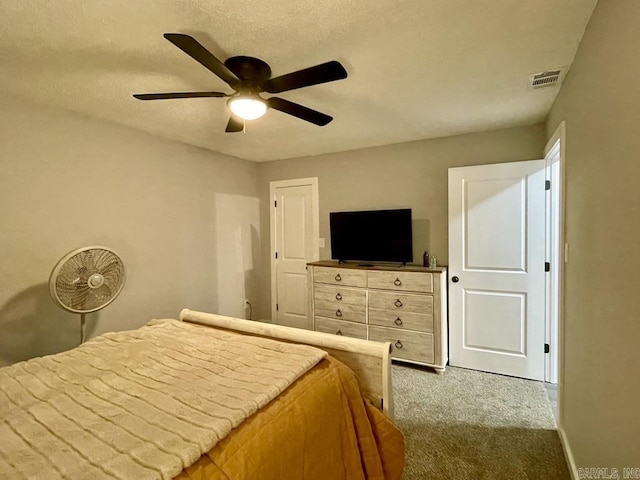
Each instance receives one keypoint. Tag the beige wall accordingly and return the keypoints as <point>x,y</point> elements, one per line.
<point>410,175</point>
<point>600,102</point>
<point>67,181</point>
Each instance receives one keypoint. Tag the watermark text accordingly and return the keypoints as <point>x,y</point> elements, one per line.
<point>609,473</point>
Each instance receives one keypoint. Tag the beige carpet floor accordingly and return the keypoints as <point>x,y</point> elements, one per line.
<point>469,425</point>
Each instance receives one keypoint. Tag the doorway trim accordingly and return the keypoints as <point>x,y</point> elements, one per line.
<point>297,182</point>
<point>557,252</point>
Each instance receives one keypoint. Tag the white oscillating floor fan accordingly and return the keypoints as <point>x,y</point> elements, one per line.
<point>85,280</point>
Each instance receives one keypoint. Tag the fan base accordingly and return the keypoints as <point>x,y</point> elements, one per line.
<point>248,69</point>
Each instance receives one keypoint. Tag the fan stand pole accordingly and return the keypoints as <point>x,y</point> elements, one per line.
<point>82,327</point>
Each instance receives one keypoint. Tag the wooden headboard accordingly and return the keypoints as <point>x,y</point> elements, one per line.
<point>371,361</point>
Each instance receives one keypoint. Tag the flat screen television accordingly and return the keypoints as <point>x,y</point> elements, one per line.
<point>372,236</point>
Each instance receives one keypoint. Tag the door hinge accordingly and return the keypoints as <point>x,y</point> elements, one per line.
<point>547,267</point>
<point>546,348</point>
<point>547,184</point>
<point>276,255</point>
<point>275,203</point>
<point>276,307</point>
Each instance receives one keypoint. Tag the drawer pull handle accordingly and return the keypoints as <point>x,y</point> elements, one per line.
<point>397,321</point>
<point>338,277</point>
<point>338,313</point>
<point>397,282</point>
<point>338,332</point>
<point>398,344</point>
<point>398,303</point>
<point>338,296</point>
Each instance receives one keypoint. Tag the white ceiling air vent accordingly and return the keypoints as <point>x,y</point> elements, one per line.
<point>549,78</point>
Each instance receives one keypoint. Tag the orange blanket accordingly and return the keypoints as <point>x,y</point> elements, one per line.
<point>320,428</point>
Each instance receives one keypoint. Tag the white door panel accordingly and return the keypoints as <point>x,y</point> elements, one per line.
<point>487,204</point>
<point>497,251</point>
<point>486,312</point>
<point>294,205</point>
<point>292,299</point>
<point>295,226</point>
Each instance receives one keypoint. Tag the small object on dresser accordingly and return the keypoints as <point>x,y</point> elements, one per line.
<point>432,262</point>
<point>425,259</point>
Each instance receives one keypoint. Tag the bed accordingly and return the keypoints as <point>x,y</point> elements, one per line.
<point>203,397</point>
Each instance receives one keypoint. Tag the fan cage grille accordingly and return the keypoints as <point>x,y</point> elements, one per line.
<point>70,286</point>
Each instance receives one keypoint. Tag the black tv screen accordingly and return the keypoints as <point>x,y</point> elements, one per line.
<point>372,236</point>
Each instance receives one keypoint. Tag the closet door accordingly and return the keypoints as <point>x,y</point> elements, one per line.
<point>295,231</point>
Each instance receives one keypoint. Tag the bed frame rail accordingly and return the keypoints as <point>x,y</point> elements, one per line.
<point>371,361</point>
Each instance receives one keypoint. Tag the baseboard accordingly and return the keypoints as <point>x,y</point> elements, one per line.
<point>568,454</point>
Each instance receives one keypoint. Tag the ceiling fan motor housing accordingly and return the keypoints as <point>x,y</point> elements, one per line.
<point>252,71</point>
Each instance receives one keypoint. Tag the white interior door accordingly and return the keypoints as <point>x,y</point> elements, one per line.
<point>295,228</point>
<point>497,268</point>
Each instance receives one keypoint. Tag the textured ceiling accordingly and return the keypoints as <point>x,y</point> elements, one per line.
<point>417,68</point>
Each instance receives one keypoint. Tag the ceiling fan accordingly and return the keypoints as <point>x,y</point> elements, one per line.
<point>249,77</point>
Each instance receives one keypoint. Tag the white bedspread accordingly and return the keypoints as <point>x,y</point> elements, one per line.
<point>142,404</point>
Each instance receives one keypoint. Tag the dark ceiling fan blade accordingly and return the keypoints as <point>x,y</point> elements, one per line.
<point>235,124</point>
<point>297,110</point>
<point>191,47</point>
<point>323,73</point>
<point>167,96</point>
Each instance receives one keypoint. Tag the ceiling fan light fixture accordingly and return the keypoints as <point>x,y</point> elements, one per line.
<point>247,107</point>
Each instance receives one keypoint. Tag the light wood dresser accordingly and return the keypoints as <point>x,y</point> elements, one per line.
<point>405,305</point>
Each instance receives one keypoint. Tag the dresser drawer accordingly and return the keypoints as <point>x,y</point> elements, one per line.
<point>401,281</point>
<point>339,295</point>
<point>340,276</point>
<point>338,327</point>
<point>408,345</point>
<point>401,302</point>
<point>401,320</point>
<point>340,312</point>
